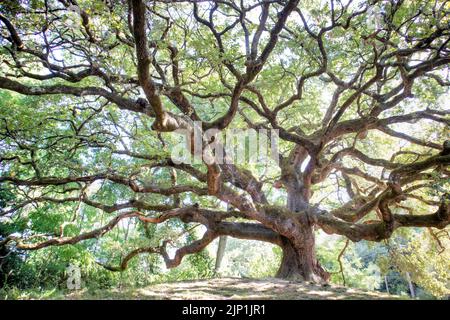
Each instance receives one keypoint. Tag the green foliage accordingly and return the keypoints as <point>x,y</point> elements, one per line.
<point>196,266</point>
<point>251,259</point>
<point>427,261</point>
<point>358,268</point>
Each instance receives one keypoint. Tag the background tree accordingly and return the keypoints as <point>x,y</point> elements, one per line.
<point>355,89</point>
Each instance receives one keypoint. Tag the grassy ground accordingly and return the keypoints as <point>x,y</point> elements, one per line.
<point>224,288</point>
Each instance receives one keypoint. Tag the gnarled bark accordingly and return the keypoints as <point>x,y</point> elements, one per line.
<point>299,258</point>
<point>301,263</point>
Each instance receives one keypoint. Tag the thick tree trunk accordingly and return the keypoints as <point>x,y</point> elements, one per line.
<point>299,256</point>
<point>300,264</point>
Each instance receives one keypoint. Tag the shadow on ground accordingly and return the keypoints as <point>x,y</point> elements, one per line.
<point>235,288</point>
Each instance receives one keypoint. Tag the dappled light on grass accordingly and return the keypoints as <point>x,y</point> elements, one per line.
<point>235,289</point>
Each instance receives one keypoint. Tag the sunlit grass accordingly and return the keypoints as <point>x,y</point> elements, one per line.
<point>213,289</point>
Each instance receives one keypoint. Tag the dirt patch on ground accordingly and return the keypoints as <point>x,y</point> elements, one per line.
<point>235,288</point>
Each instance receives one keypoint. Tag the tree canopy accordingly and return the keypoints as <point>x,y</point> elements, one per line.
<point>92,92</point>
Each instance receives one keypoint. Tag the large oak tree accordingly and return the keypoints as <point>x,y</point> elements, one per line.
<point>355,89</point>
